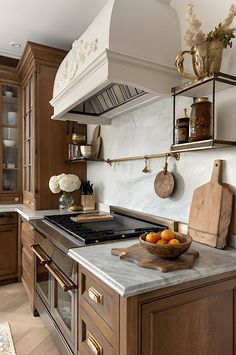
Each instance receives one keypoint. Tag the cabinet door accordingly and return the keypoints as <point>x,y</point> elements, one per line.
<point>199,322</point>
<point>28,141</point>
<point>10,182</point>
<point>8,251</point>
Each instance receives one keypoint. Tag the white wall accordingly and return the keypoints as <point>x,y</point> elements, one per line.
<point>148,131</point>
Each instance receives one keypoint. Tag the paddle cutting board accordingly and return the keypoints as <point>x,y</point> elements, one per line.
<point>211,211</point>
<point>96,134</point>
<point>92,217</point>
<point>138,255</point>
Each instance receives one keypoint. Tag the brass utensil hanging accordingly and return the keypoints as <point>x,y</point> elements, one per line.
<point>146,169</point>
<point>164,182</point>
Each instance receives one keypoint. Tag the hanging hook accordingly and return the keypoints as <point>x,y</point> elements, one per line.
<point>145,169</point>
<point>165,167</point>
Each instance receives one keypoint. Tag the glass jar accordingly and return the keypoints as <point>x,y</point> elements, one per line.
<point>200,125</point>
<point>182,128</point>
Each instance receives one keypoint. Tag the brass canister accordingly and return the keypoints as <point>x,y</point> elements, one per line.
<point>200,124</point>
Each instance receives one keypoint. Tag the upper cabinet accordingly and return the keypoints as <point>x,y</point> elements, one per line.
<point>10,136</point>
<point>45,142</point>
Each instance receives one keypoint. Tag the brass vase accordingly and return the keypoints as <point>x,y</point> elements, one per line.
<point>206,59</point>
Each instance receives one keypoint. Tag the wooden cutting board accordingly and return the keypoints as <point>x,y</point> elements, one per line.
<point>96,148</point>
<point>96,134</point>
<point>92,217</point>
<point>138,255</point>
<point>211,211</point>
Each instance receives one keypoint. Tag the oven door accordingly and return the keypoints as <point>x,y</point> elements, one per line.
<point>56,284</point>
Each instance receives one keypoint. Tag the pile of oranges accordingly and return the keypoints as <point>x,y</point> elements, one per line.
<point>165,237</point>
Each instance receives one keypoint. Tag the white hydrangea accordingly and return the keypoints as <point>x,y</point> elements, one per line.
<point>64,182</point>
<point>54,184</point>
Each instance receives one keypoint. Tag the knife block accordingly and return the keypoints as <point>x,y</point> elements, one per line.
<point>88,202</point>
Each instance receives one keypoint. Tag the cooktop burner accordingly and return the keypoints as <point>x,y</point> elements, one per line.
<point>93,232</point>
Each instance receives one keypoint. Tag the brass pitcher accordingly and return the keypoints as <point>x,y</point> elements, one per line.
<point>206,58</point>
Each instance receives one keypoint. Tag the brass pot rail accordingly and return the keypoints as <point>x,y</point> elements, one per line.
<point>145,157</point>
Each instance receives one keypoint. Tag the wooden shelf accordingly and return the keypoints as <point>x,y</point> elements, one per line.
<point>80,160</point>
<point>9,100</point>
<point>202,145</point>
<point>10,169</point>
<point>7,126</point>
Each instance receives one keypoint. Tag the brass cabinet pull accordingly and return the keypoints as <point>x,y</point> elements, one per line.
<point>63,281</point>
<point>93,344</point>
<point>95,295</point>
<point>38,251</point>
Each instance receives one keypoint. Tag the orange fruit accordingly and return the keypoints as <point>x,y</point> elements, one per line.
<point>162,241</point>
<point>174,241</point>
<point>167,234</point>
<point>152,237</point>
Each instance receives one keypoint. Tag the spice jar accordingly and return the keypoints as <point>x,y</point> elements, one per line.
<point>182,128</point>
<point>200,120</point>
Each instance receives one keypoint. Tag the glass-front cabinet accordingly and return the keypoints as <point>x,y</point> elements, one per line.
<point>10,172</point>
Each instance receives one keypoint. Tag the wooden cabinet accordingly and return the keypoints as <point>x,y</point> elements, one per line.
<point>27,261</point>
<point>10,137</point>
<point>8,247</point>
<point>45,142</point>
<point>192,318</point>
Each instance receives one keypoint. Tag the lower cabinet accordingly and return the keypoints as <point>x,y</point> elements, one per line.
<point>27,261</point>
<point>8,247</point>
<point>197,318</point>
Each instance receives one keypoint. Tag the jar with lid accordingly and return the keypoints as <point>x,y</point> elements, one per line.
<point>200,124</point>
<point>182,128</point>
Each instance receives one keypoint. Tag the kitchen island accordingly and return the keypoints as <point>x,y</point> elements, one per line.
<point>128,310</point>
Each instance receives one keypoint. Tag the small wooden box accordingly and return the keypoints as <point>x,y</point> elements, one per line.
<point>88,202</point>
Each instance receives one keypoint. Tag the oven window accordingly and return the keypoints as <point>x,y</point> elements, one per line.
<point>43,279</point>
<point>63,305</point>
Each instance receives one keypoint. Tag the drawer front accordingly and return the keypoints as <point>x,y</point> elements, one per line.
<point>27,271</point>
<point>101,298</point>
<point>27,229</point>
<point>16,198</point>
<point>26,242</point>
<point>91,340</point>
<point>8,218</point>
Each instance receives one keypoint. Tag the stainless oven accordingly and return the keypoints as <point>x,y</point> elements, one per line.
<point>56,287</point>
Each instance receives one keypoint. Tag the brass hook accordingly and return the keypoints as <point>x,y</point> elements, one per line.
<point>165,167</point>
<point>145,169</point>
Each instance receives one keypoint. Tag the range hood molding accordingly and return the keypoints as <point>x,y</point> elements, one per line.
<point>95,62</point>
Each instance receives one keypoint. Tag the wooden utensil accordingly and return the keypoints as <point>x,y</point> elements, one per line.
<point>164,182</point>
<point>92,217</point>
<point>211,211</point>
<point>138,255</point>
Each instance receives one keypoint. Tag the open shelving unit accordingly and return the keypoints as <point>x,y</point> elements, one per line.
<point>203,87</point>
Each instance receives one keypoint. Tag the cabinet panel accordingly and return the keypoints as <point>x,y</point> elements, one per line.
<point>8,250</point>
<point>10,136</point>
<point>200,326</point>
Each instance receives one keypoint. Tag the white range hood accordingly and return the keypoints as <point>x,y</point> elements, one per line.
<point>125,59</point>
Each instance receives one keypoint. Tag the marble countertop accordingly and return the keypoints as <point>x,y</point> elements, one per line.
<point>28,213</point>
<point>128,279</point>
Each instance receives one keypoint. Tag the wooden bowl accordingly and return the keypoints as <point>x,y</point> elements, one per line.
<point>167,251</point>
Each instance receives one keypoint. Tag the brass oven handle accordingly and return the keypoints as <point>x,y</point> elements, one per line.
<point>95,295</point>
<point>93,344</point>
<point>39,252</point>
<point>65,283</point>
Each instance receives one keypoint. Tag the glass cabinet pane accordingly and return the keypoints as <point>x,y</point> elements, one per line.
<point>9,133</point>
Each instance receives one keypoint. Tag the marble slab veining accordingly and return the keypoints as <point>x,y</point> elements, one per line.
<point>128,279</point>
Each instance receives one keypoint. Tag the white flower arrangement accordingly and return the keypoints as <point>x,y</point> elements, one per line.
<point>64,182</point>
<point>222,33</point>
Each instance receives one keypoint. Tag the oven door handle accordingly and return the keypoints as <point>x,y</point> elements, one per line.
<point>63,280</point>
<point>38,251</point>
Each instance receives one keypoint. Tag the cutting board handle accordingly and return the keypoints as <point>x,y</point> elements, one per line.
<point>216,172</point>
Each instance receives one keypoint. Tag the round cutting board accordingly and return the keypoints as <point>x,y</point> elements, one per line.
<point>164,184</point>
